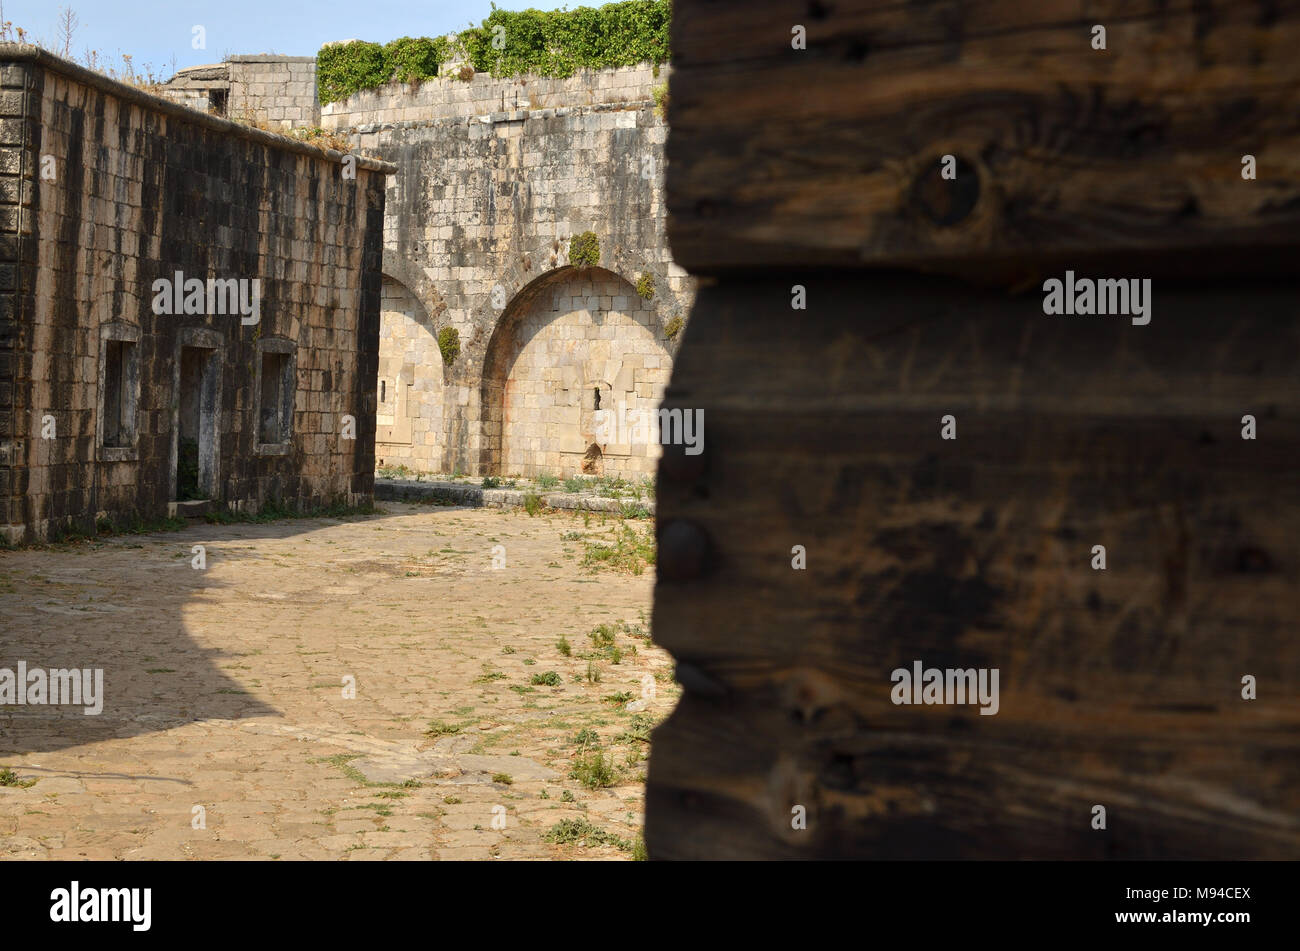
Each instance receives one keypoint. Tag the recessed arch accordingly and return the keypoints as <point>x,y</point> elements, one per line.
<point>403,271</point>
<point>410,419</point>
<point>570,344</point>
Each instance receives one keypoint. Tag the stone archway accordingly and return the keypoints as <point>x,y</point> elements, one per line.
<point>572,343</point>
<point>410,425</point>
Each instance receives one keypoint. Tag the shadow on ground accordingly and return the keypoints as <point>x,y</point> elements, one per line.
<point>120,604</point>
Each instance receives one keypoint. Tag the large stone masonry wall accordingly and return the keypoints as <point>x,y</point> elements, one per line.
<point>137,189</point>
<point>495,176</point>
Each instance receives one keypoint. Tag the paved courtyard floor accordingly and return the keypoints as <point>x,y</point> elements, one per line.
<point>475,731</point>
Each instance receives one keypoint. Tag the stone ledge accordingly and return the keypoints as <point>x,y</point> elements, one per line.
<point>458,493</point>
<point>488,118</point>
<point>18,54</point>
<point>268,58</point>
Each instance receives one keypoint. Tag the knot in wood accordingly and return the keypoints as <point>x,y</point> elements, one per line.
<point>946,201</point>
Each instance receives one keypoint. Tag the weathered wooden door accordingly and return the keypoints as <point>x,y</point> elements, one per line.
<point>926,463</point>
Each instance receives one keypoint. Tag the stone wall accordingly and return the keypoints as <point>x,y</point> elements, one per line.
<point>109,190</point>
<point>449,97</point>
<point>409,419</point>
<point>495,177</point>
<point>277,90</point>
<point>588,344</point>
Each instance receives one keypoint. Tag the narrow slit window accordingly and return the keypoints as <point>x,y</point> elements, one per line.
<point>275,424</point>
<point>118,399</point>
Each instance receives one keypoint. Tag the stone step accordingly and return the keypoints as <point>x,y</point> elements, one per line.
<point>195,508</point>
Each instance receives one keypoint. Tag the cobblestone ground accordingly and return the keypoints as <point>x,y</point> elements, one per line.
<point>224,689</point>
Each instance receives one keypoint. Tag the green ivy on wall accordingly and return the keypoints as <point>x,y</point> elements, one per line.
<point>560,42</point>
<point>416,59</point>
<point>554,43</point>
<point>345,68</point>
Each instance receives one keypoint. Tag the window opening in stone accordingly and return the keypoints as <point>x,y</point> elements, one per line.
<point>119,394</point>
<point>277,398</point>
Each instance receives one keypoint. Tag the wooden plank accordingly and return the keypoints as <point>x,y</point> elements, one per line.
<point>1119,687</point>
<point>830,156</point>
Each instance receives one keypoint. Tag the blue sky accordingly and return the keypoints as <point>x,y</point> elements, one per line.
<point>155,31</point>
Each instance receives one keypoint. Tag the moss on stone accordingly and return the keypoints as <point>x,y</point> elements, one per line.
<point>673,328</point>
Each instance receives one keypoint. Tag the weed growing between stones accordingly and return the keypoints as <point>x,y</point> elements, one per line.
<point>594,770</point>
<point>603,635</point>
<point>581,832</point>
<point>442,728</point>
<point>638,729</point>
<point>584,250</point>
<point>630,549</point>
<point>645,286</point>
<point>449,344</point>
<point>660,93</point>
<point>9,778</point>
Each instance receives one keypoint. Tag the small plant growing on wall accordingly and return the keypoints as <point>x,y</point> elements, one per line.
<point>449,344</point>
<point>660,94</point>
<point>673,328</point>
<point>645,285</point>
<point>584,250</point>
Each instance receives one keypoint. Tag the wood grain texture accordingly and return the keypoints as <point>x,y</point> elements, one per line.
<point>1119,687</point>
<point>830,156</point>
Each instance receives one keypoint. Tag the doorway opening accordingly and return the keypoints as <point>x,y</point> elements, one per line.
<point>196,435</point>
